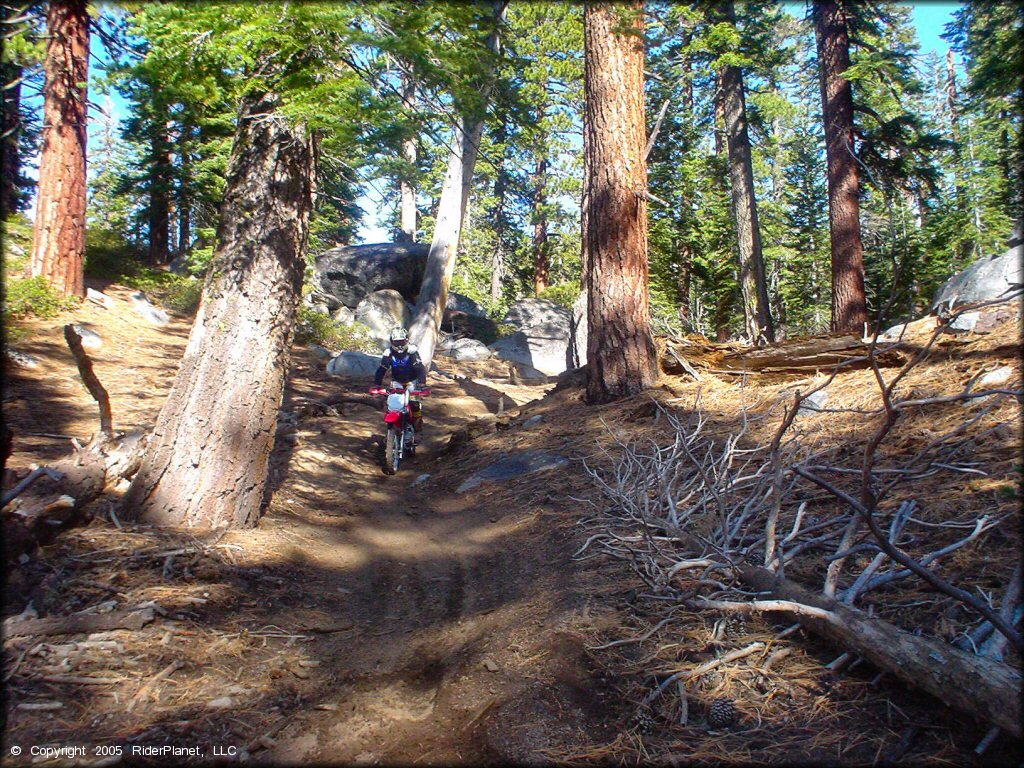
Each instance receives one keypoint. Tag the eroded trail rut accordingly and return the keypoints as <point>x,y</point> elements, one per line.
<point>445,619</point>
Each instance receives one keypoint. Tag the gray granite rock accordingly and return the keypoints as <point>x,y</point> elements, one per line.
<point>352,272</point>
<point>984,280</point>
<point>353,364</point>
<point>513,466</point>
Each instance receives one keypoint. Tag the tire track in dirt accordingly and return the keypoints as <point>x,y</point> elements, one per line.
<point>442,593</point>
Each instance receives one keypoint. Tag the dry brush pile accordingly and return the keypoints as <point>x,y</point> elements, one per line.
<point>860,541</point>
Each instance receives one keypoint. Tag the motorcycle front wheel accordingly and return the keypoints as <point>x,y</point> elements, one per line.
<point>392,451</point>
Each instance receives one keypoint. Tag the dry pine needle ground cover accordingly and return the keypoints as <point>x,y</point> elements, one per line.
<point>354,626</point>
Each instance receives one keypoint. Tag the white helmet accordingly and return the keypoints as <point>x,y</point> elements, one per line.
<point>399,339</point>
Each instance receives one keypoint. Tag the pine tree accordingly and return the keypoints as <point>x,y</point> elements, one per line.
<point>621,358</point>
<point>58,252</point>
<point>849,300</point>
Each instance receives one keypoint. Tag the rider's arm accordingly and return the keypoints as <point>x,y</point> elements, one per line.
<point>385,364</point>
<point>421,371</point>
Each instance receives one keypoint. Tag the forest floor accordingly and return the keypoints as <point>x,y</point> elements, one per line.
<point>375,619</point>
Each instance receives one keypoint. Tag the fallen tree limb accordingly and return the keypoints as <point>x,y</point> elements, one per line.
<point>92,383</point>
<point>58,495</point>
<point>797,356</point>
<point>986,689</point>
<point>76,624</point>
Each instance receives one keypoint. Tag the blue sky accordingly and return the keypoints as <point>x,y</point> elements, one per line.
<point>929,16</point>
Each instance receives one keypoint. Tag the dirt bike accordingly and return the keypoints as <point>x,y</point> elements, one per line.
<point>400,437</point>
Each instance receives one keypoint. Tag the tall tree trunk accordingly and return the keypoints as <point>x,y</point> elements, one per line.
<point>58,251</point>
<point>408,191</point>
<point>206,464</point>
<point>719,123</point>
<point>184,189</point>
<point>451,210</point>
<point>753,285</point>
<point>498,225</point>
<point>849,302</point>
<point>10,130</point>
<point>621,358</point>
<point>541,254</point>
<point>159,197</point>
<point>684,277</point>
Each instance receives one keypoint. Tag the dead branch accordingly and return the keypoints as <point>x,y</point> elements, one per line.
<point>25,484</point>
<point>92,383</point>
<point>79,623</point>
<point>908,562</point>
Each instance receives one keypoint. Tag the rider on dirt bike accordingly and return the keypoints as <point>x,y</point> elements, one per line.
<point>405,365</point>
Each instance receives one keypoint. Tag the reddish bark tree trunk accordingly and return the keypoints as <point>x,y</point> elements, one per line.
<point>541,259</point>
<point>58,252</point>
<point>206,464</point>
<point>849,303</point>
<point>621,357</point>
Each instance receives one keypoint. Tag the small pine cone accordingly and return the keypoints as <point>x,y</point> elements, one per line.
<point>735,625</point>
<point>643,720</point>
<point>722,713</point>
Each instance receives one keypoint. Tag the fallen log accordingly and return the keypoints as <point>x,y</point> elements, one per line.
<point>57,499</point>
<point>79,623</point>
<point>800,356</point>
<point>986,689</point>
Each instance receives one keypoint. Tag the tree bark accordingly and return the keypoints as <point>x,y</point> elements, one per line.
<point>58,252</point>
<point>753,286</point>
<point>159,197</point>
<point>184,191</point>
<point>849,302</point>
<point>684,277</point>
<point>451,211</point>
<point>10,130</point>
<point>408,191</point>
<point>753,283</point>
<point>621,357</point>
<point>541,257</point>
<point>207,461</point>
<point>499,226</point>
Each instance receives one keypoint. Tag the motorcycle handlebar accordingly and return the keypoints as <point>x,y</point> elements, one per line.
<point>384,391</point>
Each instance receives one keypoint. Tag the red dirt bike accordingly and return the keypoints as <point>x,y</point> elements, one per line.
<point>400,438</point>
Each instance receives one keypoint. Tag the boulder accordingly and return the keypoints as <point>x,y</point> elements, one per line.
<point>539,313</point>
<point>343,315</point>
<point>90,339</point>
<point>469,349</point>
<point>21,359</point>
<point>985,280</point>
<point>813,403</point>
<point>143,307</point>
<point>459,303</point>
<point>98,297</point>
<point>353,364</point>
<point>352,272</point>
<point>510,467</point>
<point>381,311</point>
<point>548,354</point>
<point>460,324</point>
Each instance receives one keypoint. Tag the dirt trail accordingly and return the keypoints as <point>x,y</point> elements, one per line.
<point>366,619</point>
<point>459,610</point>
